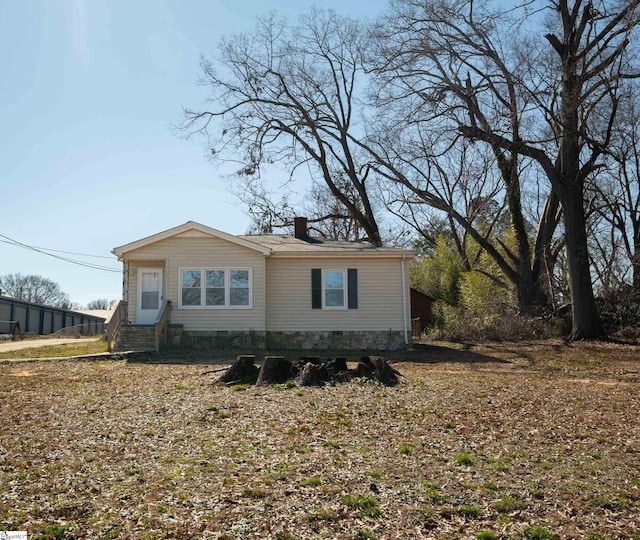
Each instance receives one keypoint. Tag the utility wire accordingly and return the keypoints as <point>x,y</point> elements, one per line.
<point>16,243</point>
<point>61,251</point>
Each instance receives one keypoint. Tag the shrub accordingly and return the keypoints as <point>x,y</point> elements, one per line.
<point>504,324</point>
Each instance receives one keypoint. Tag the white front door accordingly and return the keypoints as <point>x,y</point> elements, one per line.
<point>149,295</point>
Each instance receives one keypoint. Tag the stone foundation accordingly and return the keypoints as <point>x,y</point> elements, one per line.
<point>389,340</point>
<point>351,340</point>
<point>223,340</point>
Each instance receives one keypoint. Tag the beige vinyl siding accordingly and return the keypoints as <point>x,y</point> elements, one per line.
<point>379,295</point>
<point>197,253</point>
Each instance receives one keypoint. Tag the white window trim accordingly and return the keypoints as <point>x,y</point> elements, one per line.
<point>203,287</point>
<point>345,290</point>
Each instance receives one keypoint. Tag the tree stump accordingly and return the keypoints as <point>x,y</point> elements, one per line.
<point>312,375</point>
<point>339,365</point>
<point>275,370</point>
<point>298,365</point>
<point>242,370</point>
<point>376,367</point>
<point>315,360</point>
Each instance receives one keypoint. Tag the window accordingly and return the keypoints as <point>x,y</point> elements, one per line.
<point>334,289</point>
<point>215,288</point>
<point>191,292</point>
<point>239,287</point>
<point>150,293</point>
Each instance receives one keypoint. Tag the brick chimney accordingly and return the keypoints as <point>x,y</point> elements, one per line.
<point>300,227</point>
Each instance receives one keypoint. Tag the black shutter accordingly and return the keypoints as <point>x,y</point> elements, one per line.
<point>352,284</point>
<point>316,288</point>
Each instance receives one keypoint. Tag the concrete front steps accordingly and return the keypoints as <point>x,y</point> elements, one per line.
<point>136,337</point>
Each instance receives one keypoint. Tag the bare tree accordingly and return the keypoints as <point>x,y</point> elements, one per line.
<point>101,303</point>
<point>440,67</point>
<point>288,93</point>
<point>36,289</point>
<point>527,101</point>
<point>590,42</point>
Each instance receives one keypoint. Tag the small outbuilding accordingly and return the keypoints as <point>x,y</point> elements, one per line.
<point>421,310</point>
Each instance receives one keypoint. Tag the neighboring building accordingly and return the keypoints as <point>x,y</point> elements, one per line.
<point>22,317</point>
<point>421,308</point>
<point>274,291</point>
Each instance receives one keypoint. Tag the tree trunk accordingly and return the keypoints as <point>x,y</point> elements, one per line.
<point>635,262</point>
<point>569,183</point>
<point>586,322</point>
<point>528,296</point>
<point>541,269</point>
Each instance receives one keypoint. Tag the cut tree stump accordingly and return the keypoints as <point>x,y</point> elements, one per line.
<point>275,370</point>
<point>376,367</point>
<point>242,370</point>
<point>339,365</point>
<point>307,371</point>
<point>312,375</point>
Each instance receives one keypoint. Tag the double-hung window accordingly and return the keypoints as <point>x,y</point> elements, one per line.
<point>215,288</point>
<point>333,289</point>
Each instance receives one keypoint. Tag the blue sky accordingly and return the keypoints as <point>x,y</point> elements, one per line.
<point>88,94</point>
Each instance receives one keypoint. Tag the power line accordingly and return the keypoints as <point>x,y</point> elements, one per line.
<point>16,243</point>
<point>61,251</point>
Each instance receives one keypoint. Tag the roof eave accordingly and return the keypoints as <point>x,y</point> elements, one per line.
<point>344,254</point>
<point>189,225</point>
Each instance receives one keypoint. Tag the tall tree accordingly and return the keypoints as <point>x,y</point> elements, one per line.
<point>36,289</point>
<point>555,98</point>
<point>288,93</point>
<point>590,43</point>
<point>443,64</point>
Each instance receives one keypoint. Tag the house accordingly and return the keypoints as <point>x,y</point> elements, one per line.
<point>273,291</point>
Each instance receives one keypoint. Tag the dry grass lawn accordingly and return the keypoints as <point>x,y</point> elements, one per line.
<point>51,351</point>
<point>532,441</point>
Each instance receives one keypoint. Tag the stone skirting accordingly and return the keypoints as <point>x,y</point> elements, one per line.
<point>388,340</point>
<point>223,340</point>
